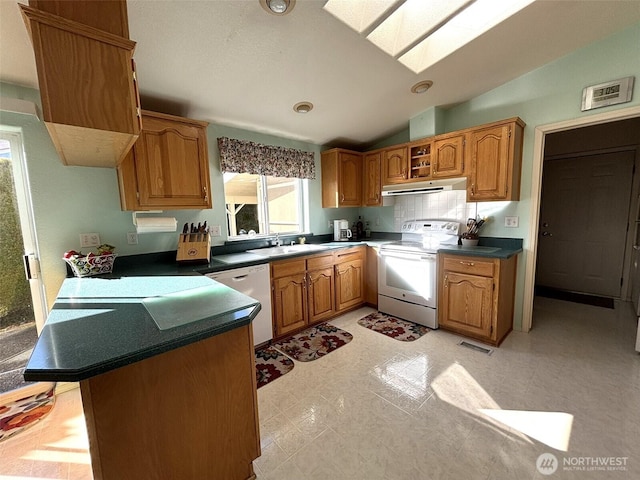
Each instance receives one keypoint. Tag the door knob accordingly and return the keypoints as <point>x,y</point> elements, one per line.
<point>547,234</point>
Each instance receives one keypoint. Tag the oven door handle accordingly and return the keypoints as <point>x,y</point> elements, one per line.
<point>409,256</point>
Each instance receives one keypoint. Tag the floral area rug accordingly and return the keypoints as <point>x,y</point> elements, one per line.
<point>393,327</point>
<point>271,364</point>
<point>18,415</point>
<point>314,342</point>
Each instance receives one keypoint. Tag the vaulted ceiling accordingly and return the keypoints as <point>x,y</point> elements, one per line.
<point>230,62</point>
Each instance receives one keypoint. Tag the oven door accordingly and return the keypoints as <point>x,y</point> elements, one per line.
<point>408,276</point>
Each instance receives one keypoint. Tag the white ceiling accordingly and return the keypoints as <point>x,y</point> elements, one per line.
<point>230,62</point>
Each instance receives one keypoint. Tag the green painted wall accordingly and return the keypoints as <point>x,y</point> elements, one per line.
<point>549,94</point>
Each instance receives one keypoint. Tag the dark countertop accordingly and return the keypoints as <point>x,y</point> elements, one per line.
<point>100,324</point>
<point>488,247</point>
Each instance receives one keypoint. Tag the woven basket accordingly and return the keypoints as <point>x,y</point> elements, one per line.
<point>91,265</point>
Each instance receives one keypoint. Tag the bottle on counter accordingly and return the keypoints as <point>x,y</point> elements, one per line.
<point>354,231</point>
<point>367,229</point>
<point>359,228</point>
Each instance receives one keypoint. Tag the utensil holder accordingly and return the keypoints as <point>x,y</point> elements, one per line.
<point>194,247</point>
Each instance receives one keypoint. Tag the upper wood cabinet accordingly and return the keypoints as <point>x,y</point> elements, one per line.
<point>371,187</point>
<point>87,85</point>
<point>447,159</point>
<point>395,165</point>
<point>341,178</point>
<point>110,16</point>
<point>168,167</point>
<point>496,160</point>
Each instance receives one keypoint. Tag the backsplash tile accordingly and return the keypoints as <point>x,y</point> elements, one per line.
<point>450,205</point>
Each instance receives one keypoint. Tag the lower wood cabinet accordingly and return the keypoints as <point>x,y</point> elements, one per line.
<point>476,296</point>
<point>308,290</point>
<point>349,270</point>
<point>371,277</point>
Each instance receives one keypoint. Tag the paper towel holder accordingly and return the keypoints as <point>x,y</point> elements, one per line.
<point>135,214</point>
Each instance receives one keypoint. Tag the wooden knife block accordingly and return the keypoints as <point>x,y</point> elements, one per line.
<point>194,247</point>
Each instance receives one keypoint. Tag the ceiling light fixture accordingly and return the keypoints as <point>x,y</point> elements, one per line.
<point>422,87</point>
<point>278,7</point>
<point>303,107</point>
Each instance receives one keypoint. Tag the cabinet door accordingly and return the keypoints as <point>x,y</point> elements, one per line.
<point>89,96</point>
<point>321,294</point>
<point>349,179</point>
<point>466,304</point>
<point>447,158</point>
<point>171,165</point>
<point>371,178</point>
<point>395,166</point>
<point>349,284</point>
<point>490,164</point>
<point>289,303</point>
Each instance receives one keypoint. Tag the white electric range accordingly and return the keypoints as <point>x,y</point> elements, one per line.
<point>407,270</point>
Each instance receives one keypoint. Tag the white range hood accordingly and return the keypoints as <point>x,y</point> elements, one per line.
<point>430,186</point>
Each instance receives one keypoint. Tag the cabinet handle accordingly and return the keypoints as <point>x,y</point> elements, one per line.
<point>206,196</point>
<point>404,173</point>
<point>446,281</point>
<point>342,197</point>
<point>468,264</point>
<point>473,190</point>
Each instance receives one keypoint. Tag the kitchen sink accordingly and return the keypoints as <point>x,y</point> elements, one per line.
<point>287,249</point>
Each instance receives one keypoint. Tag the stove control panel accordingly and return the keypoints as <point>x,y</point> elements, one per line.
<point>431,226</point>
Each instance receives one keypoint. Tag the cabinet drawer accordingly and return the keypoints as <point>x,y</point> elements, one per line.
<point>320,261</point>
<point>348,255</point>
<point>472,265</point>
<point>286,268</point>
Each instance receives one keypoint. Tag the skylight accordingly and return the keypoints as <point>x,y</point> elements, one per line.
<point>420,33</point>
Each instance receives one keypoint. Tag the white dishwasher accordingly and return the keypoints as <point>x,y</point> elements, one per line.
<point>255,283</point>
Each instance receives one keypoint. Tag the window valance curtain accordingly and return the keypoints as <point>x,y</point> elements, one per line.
<point>242,156</point>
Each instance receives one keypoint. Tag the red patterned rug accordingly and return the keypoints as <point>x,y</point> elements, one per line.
<point>271,364</point>
<point>314,342</point>
<point>393,327</point>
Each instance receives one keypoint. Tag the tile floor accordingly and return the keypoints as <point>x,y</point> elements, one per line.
<point>430,409</point>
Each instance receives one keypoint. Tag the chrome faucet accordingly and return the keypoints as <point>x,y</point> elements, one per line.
<point>278,242</point>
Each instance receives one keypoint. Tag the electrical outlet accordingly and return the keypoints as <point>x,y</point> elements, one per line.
<point>511,222</point>
<point>214,230</point>
<point>132,238</point>
<point>329,224</point>
<point>89,240</point>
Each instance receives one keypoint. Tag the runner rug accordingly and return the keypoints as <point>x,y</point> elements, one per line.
<point>393,327</point>
<point>271,364</point>
<point>314,342</point>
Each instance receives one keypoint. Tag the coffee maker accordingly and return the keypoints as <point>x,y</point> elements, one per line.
<point>341,232</point>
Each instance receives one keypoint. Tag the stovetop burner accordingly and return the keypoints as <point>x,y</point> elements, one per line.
<point>425,236</point>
